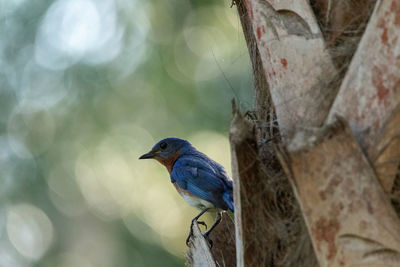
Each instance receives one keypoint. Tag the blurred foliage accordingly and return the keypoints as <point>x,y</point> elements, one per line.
<point>86,86</point>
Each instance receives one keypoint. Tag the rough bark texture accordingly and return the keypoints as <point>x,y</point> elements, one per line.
<point>350,218</point>
<point>269,230</point>
<point>244,152</point>
<point>296,64</point>
<point>385,154</point>
<point>281,237</point>
<point>303,76</point>
<point>342,24</point>
<point>369,97</point>
<point>221,253</point>
<point>199,253</point>
<point>262,96</point>
<point>223,237</point>
<point>338,173</point>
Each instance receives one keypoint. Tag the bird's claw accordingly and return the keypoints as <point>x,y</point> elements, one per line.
<point>206,237</point>
<point>188,238</point>
<point>190,234</point>
<point>191,230</point>
<point>202,223</point>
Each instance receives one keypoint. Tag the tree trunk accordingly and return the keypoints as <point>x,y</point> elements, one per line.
<point>342,196</point>
<point>316,164</point>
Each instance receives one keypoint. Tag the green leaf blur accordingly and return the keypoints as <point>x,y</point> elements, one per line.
<point>86,86</point>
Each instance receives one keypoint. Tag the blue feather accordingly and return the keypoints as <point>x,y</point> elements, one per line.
<point>204,178</point>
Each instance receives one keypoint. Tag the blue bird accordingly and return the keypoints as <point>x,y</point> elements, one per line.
<point>202,182</point>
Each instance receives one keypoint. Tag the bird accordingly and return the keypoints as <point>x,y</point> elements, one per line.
<point>202,182</point>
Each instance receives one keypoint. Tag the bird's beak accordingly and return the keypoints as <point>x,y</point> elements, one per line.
<point>149,155</point>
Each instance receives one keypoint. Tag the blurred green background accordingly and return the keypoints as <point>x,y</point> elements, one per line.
<point>86,86</point>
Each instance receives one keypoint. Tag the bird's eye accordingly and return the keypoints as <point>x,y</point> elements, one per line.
<point>163,145</point>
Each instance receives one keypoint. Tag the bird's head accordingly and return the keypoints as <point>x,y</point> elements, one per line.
<point>167,150</point>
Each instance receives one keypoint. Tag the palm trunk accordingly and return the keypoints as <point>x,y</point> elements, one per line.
<point>316,163</point>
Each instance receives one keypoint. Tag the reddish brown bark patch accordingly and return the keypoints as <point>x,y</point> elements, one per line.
<point>384,36</point>
<point>284,62</point>
<point>258,33</point>
<point>325,231</point>
<point>268,53</point>
<point>396,9</point>
<point>378,81</point>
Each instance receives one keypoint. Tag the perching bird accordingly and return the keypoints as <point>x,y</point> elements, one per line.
<point>201,181</point>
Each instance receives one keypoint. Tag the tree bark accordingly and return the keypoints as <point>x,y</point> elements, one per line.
<point>199,253</point>
<point>222,252</point>
<point>269,229</point>
<point>369,97</point>
<point>296,64</point>
<point>315,161</point>
<point>348,215</point>
<point>272,216</point>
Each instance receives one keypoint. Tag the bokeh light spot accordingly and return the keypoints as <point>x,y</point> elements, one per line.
<point>9,257</point>
<point>75,30</point>
<point>29,230</point>
<point>41,88</point>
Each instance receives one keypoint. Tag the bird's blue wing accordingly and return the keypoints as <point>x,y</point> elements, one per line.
<point>199,178</point>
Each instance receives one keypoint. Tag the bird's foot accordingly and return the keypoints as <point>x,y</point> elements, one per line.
<point>195,219</point>
<point>206,235</point>
<point>202,223</point>
<point>191,230</point>
<point>188,238</point>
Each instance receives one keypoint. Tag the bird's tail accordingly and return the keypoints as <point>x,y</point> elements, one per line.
<point>228,198</point>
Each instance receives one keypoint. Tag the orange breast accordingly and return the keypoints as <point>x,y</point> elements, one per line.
<point>169,163</point>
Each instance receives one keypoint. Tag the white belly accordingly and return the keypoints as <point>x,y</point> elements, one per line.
<point>196,202</point>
